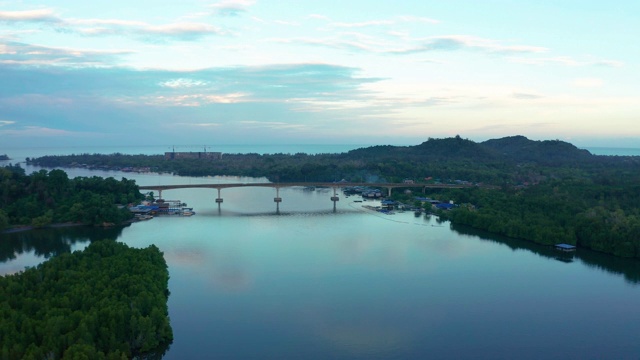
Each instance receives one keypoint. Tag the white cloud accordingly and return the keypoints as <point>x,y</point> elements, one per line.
<point>363,23</point>
<point>526,96</point>
<point>115,22</point>
<point>319,17</point>
<point>566,61</point>
<point>288,23</point>
<point>273,124</point>
<point>366,43</point>
<point>195,100</point>
<point>181,30</point>
<point>15,53</point>
<point>588,82</point>
<point>609,63</point>
<point>232,7</point>
<point>41,15</point>
<point>183,83</point>
<point>6,122</point>
<point>383,22</point>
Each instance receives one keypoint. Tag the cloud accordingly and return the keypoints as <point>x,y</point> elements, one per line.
<point>271,100</point>
<point>232,7</point>
<point>203,125</point>
<point>182,31</point>
<point>182,83</point>
<point>319,17</point>
<point>287,23</point>
<point>526,96</point>
<point>466,42</point>
<point>273,124</point>
<point>566,61</point>
<point>6,122</point>
<point>365,43</point>
<point>195,99</point>
<point>363,24</point>
<point>36,131</point>
<point>40,15</point>
<point>609,63</point>
<point>587,82</point>
<point>15,53</point>
<point>385,22</point>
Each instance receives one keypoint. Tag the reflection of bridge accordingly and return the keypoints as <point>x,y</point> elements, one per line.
<point>277,186</point>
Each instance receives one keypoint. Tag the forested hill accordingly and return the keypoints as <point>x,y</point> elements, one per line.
<point>513,149</point>
<point>507,161</point>
<point>548,152</point>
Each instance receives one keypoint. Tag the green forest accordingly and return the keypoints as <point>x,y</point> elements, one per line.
<point>48,197</point>
<point>546,191</point>
<point>106,302</point>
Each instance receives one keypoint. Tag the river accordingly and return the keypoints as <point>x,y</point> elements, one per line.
<point>308,283</point>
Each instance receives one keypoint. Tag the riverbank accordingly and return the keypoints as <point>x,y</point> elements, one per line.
<point>18,229</point>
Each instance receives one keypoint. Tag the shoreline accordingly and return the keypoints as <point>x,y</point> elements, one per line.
<point>18,229</point>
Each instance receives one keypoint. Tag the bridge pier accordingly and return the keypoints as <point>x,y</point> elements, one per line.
<point>277,200</point>
<point>389,192</point>
<point>219,200</point>
<point>160,194</point>
<point>335,199</point>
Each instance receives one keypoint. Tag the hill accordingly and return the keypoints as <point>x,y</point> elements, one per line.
<point>547,152</point>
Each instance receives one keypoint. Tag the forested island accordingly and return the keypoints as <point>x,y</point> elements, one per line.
<point>549,191</point>
<point>50,197</point>
<point>106,302</point>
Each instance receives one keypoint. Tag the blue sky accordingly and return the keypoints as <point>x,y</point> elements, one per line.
<point>318,72</point>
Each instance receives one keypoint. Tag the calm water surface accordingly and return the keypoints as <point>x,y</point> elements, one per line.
<point>309,283</point>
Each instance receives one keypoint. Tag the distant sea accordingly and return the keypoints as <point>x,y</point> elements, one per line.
<point>612,151</point>
<point>18,154</point>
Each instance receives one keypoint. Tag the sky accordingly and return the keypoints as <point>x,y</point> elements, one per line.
<point>318,72</point>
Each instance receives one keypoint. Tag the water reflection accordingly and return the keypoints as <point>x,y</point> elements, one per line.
<point>629,268</point>
<point>52,241</point>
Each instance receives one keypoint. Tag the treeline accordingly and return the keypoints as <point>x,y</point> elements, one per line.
<point>47,197</point>
<point>580,212</point>
<point>106,302</point>
<point>504,162</point>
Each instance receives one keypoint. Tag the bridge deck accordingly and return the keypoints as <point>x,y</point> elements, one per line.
<point>291,184</point>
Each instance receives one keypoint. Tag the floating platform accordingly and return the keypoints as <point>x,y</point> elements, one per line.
<point>565,247</point>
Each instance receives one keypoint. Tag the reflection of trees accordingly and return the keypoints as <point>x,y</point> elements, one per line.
<point>629,268</point>
<point>52,241</point>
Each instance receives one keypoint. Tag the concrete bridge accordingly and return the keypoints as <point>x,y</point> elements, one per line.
<point>335,186</point>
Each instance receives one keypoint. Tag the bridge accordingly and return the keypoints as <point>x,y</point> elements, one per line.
<point>334,185</point>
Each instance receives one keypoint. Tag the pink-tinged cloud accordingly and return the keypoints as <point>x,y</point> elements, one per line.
<point>14,53</point>
<point>41,15</point>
